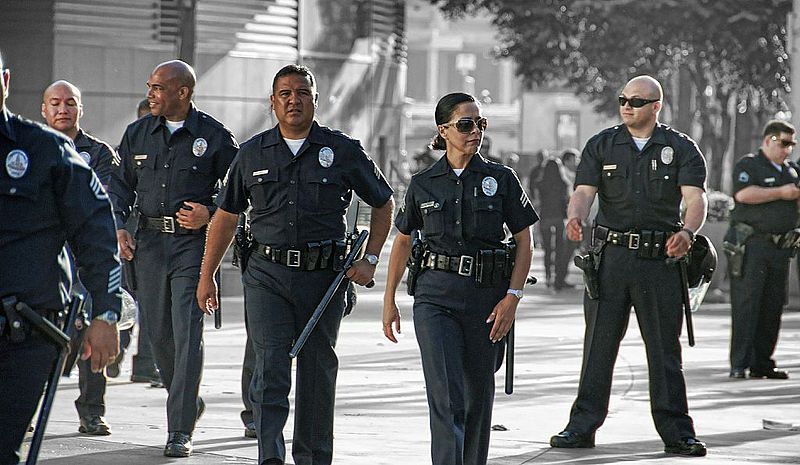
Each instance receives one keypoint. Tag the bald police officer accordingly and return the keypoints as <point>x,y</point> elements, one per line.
<point>299,178</point>
<point>171,164</point>
<point>62,109</point>
<point>641,171</point>
<point>48,196</point>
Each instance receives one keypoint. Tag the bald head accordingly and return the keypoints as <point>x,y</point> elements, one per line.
<point>62,107</point>
<point>645,86</point>
<point>178,70</point>
<point>62,86</point>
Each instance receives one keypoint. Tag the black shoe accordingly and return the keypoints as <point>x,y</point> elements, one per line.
<point>178,445</point>
<point>274,462</point>
<point>143,375</point>
<point>94,425</point>
<point>689,446</point>
<point>771,374</point>
<point>156,382</point>
<point>570,440</point>
<point>250,430</point>
<point>737,373</point>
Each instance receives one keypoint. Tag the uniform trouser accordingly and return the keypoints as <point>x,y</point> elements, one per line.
<point>279,302</point>
<point>167,268</point>
<point>248,368</point>
<point>654,290</point>
<point>556,249</point>
<point>757,300</point>
<point>458,361</point>
<point>92,388</point>
<point>24,369</point>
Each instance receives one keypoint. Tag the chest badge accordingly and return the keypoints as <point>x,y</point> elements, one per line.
<point>326,157</point>
<point>86,157</point>
<point>199,147</point>
<point>16,163</point>
<point>489,186</point>
<point>667,155</point>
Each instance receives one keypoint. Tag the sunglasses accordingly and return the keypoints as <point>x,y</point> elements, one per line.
<point>785,143</point>
<point>466,125</point>
<point>635,102</point>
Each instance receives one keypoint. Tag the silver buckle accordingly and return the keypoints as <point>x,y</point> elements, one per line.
<point>293,258</point>
<point>633,241</point>
<point>168,225</point>
<point>465,265</point>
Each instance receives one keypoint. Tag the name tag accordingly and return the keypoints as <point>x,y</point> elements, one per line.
<point>140,157</point>
<point>609,167</point>
<point>260,172</point>
<point>427,204</point>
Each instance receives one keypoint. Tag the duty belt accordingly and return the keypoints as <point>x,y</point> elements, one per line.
<point>462,264</point>
<point>166,224</point>
<point>321,255</point>
<point>490,268</point>
<point>647,243</point>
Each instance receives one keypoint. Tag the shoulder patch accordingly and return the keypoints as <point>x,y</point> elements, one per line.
<point>743,176</point>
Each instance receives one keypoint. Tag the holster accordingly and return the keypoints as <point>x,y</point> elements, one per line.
<point>325,253</point>
<point>589,263</point>
<point>414,263</point>
<point>735,245</point>
<point>339,255</point>
<point>314,250</point>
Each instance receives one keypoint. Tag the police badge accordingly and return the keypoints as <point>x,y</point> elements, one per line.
<point>16,163</point>
<point>86,157</point>
<point>199,147</point>
<point>667,155</point>
<point>489,186</point>
<point>326,157</point>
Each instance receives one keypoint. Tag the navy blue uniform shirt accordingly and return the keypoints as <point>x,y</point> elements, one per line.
<point>49,196</point>
<point>460,215</point>
<point>640,189</point>
<point>776,217</point>
<point>297,199</point>
<point>165,169</point>
<point>97,154</point>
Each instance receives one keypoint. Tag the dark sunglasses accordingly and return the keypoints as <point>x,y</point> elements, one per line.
<point>466,125</point>
<point>785,143</point>
<point>635,102</point>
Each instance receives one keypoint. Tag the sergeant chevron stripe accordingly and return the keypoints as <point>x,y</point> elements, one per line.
<point>97,188</point>
<point>114,279</point>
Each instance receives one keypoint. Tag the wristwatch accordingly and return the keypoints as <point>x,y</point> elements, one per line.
<point>371,258</point>
<point>516,293</point>
<point>109,316</point>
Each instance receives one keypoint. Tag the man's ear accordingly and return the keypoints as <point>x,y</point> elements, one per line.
<point>183,92</point>
<point>43,109</point>
<point>316,99</point>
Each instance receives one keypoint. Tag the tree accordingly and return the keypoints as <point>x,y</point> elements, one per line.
<point>730,55</point>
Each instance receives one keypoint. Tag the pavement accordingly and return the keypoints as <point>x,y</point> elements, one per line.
<point>381,410</point>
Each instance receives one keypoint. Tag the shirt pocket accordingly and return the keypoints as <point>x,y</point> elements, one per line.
<point>263,191</point>
<point>19,200</point>
<point>144,166</point>
<point>195,177</point>
<point>487,214</point>
<point>614,182</point>
<point>328,191</point>
<point>664,184</point>
<point>433,218</point>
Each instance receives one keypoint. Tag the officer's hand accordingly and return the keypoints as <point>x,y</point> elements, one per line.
<point>127,245</point>
<point>391,315</point>
<point>678,244</point>
<point>789,192</point>
<point>575,229</point>
<point>361,272</point>
<point>207,295</point>
<point>193,215</point>
<point>503,317</point>
<point>101,344</point>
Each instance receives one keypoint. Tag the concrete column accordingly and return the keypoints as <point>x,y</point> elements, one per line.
<point>794,58</point>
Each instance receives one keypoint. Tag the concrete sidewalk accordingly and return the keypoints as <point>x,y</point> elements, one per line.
<point>381,411</point>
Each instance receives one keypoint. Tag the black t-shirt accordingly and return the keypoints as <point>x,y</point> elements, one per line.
<point>640,189</point>
<point>460,215</point>
<point>777,216</point>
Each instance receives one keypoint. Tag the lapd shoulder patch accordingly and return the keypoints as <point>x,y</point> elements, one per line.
<point>744,177</point>
<point>16,163</point>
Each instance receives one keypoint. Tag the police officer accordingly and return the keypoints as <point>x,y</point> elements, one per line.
<point>48,197</point>
<point>62,109</point>
<point>299,178</point>
<point>766,201</point>
<point>465,299</point>
<point>171,163</point>
<point>641,170</point>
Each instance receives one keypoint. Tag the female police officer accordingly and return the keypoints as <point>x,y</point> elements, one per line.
<point>467,292</point>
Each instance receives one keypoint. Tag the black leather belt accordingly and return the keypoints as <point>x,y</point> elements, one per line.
<point>316,256</point>
<point>462,264</point>
<point>647,243</point>
<point>166,224</point>
<point>629,239</point>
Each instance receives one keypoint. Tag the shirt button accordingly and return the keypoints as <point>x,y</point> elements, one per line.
<point>163,204</point>
<point>456,200</point>
<point>291,202</point>
<point>491,207</point>
<point>292,182</point>
<point>458,181</point>
<point>13,190</point>
<point>166,165</point>
<point>324,179</point>
<point>291,223</point>
<point>458,221</point>
<point>260,179</point>
<point>637,192</point>
<point>460,243</point>
<point>164,185</point>
<point>194,168</point>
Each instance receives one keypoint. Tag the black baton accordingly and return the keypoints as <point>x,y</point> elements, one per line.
<point>218,311</point>
<point>510,360</point>
<point>337,282</point>
<point>687,303</point>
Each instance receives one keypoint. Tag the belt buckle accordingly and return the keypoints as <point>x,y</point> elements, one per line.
<point>168,224</point>
<point>293,258</point>
<point>633,241</point>
<point>465,265</point>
